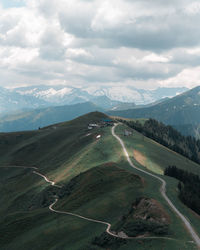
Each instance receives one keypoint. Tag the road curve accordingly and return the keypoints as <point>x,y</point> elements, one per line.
<point>162,190</point>
<point>46,179</point>
<point>85,218</point>
<point>121,236</point>
<point>52,183</point>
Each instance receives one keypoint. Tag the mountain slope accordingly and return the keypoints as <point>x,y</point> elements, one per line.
<point>106,103</point>
<point>11,101</point>
<point>96,181</point>
<point>169,137</point>
<point>43,117</point>
<point>180,110</point>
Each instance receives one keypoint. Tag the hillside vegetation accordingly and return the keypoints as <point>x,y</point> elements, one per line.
<point>188,186</point>
<point>96,181</point>
<point>169,137</point>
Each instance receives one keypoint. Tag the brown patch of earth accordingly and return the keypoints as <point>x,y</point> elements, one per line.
<point>139,157</point>
<point>150,210</point>
<point>146,218</point>
<point>147,163</point>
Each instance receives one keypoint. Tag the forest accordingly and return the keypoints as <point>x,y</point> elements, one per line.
<point>169,137</point>
<point>189,187</point>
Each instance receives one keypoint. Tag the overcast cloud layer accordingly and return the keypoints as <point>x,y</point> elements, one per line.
<point>142,43</point>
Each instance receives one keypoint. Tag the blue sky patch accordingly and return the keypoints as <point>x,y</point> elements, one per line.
<point>12,3</point>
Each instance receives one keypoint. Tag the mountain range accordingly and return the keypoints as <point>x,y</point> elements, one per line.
<point>11,100</point>
<point>70,95</point>
<point>181,111</point>
<point>26,98</point>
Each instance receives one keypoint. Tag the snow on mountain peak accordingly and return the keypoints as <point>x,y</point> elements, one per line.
<point>49,93</point>
<point>43,95</point>
<point>120,93</point>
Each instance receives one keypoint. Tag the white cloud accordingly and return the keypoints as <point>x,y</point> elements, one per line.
<point>192,8</point>
<point>156,58</point>
<point>189,77</point>
<point>78,52</point>
<point>54,42</point>
<point>108,16</point>
<point>81,42</point>
<point>15,55</point>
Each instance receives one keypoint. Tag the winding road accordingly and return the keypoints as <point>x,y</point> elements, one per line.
<point>85,218</point>
<point>122,235</point>
<point>162,190</point>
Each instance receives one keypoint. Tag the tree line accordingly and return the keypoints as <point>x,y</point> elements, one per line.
<point>189,187</point>
<point>169,137</point>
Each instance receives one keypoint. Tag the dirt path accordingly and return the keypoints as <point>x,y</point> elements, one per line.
<point>162,190</point>
<point>46,179</point>
<point>120,235</point>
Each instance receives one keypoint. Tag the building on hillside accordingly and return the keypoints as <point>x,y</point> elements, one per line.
<point>127,133</point>
<point>107,122</point>
<point>93,125</point>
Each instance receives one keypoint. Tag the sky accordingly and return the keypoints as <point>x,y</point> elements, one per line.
<point>140,43</point>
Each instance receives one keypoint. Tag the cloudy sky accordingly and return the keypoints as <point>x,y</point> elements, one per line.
<point>142,43</point>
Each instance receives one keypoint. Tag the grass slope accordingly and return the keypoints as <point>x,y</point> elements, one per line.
<point>64,153</point>
<point>154,157</point>
<point>106,188</point>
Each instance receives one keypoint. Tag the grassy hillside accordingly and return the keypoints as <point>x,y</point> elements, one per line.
<point>25,225</point>
<point>169,137</point>
<point>106,192</point>
<point>97,182</point>
<point>153,155</point>
<point>149,155</point>
<point>51,146</point>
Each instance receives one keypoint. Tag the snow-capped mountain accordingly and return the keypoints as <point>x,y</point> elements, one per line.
<point>105,97</point>
<point>11,101</point>
<point>56,95</point>
<point>70,95</point>
<point>138,96</point>
<point>122,94</point>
